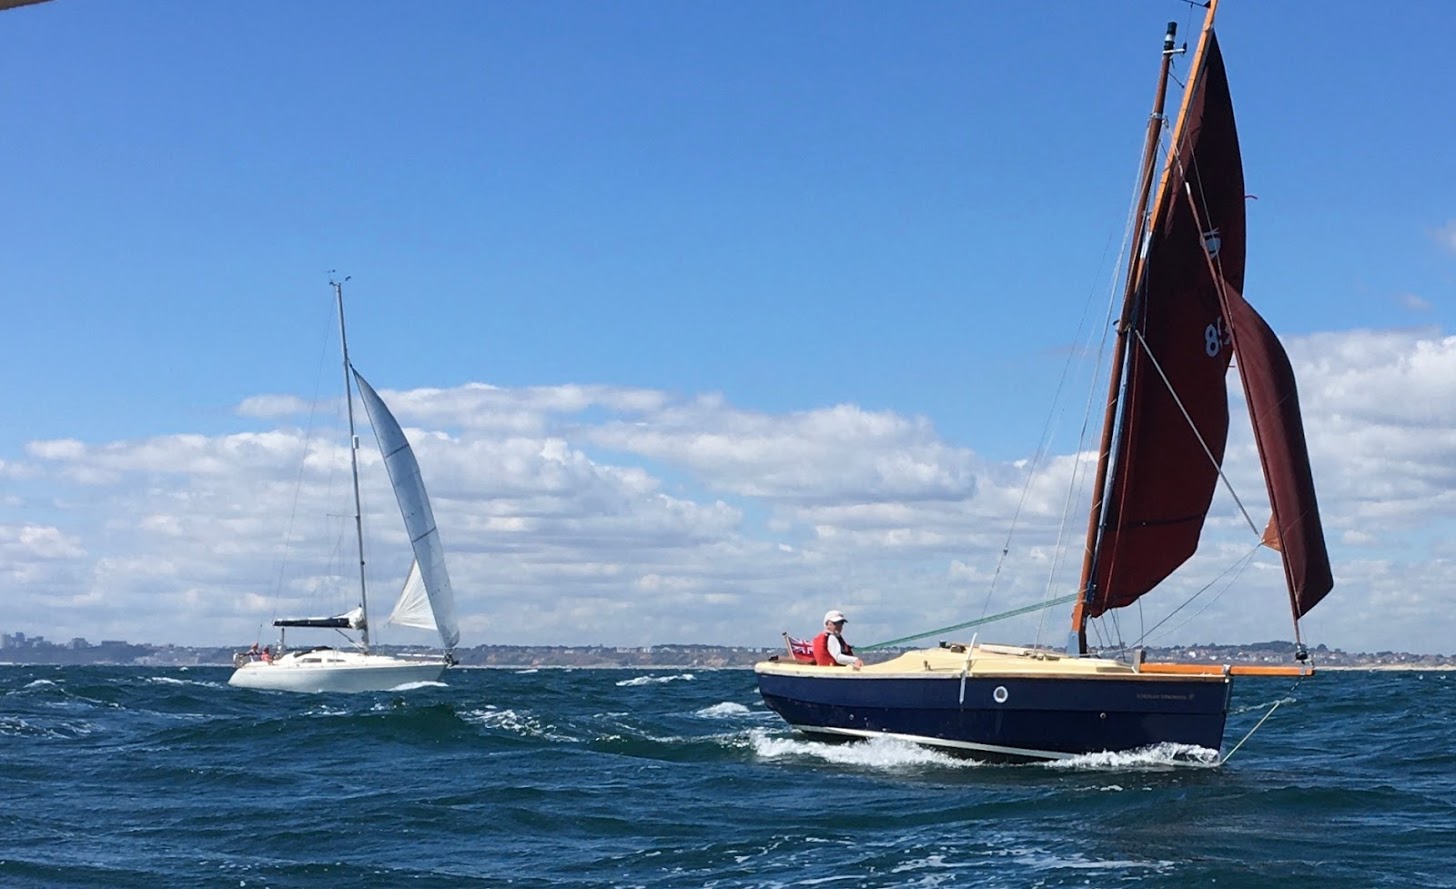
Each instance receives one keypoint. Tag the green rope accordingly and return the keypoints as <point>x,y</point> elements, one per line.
<point>984,620</point>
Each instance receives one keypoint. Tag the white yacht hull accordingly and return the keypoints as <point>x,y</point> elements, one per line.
<point>329,670</point>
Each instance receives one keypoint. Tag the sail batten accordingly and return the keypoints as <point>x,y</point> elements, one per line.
<point>414,506</point>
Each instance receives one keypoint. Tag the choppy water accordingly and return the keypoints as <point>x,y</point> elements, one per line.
<point>131,777</point>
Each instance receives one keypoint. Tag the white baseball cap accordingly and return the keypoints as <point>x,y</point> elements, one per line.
<point>834,617</point>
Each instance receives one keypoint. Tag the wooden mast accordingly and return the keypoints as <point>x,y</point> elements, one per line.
<point>1129,299</point>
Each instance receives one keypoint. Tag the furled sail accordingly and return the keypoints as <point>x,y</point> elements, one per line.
<point>353,620</point>
<point>414,505</point>
<point>1174,410</point>
<point>413,606</point>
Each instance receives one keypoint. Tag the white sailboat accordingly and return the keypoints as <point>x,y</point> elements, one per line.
<point>426,601</point>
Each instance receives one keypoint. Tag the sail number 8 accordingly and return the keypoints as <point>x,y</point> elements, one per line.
<point>1216,336</point>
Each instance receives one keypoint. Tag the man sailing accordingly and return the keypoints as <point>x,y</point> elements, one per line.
<point>830,649</point>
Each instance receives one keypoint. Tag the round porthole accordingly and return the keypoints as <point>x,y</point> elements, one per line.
<point>1000,694</point>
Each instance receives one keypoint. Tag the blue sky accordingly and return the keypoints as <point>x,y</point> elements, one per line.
<point>748,281</point>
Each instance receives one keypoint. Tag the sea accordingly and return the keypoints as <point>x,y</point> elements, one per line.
<point>116,777</point>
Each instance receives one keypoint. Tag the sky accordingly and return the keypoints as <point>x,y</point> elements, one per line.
<point>703,318</point>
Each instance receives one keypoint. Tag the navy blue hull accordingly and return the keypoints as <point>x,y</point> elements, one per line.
<point>1007,717</point>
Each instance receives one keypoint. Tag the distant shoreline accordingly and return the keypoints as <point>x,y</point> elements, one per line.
<point>22,650</point>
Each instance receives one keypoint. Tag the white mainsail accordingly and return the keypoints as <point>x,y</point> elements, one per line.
<point>414,505</point>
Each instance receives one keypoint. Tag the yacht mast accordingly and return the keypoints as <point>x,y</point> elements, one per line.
<point>353,463</point>
<point>1078,641</point>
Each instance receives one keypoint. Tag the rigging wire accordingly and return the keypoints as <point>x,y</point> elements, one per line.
<point>1191,178</point>
<point>1025,609</point>
<point>1174,162</point>
<point>1078,470</point>
<point>1238,568</point>
<point>1289,696</point>
<point>1207,452</point>
<point>1042,449</point>
<point>1218,280</point>
<point>1240,564</point>
<point>298,485</point>
<point>1162,148</point>
<point>1078,473</point>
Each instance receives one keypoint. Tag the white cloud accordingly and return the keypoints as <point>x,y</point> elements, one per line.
<point>60,449</point>
<point>1380,410</point>
<point>836,454</point>
<point>1446,236</point>
<point>37,542</point>
<point>267,407</point>
<point>1413,303</point>
<point>595,514</point>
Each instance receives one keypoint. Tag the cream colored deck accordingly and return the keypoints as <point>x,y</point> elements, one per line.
<point>980,660</point>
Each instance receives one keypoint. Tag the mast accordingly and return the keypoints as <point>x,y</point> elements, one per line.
<point>353,463</point>
<point>1123,343</point>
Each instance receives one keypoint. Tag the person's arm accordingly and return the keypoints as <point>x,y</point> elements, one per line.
<point>837,652</point>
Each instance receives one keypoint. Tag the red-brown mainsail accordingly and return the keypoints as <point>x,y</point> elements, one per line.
<point>1174,405</point>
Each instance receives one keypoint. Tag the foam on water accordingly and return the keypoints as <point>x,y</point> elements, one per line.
<point>170,680</point>
<point>427,683</point>
<point>1043,860</point>
<point>874,753</point>
<point>1158,756</point>
<point>521,723</point>
<point>725,709</point>
<point>654,680</point>
<point>17,727</point>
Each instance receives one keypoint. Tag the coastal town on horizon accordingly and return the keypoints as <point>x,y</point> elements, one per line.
<point>22,648</point>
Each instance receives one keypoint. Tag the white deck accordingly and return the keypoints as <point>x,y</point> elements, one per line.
<point>330,670</point>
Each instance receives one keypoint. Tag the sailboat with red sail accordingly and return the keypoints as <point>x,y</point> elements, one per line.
<point>1184,323</point>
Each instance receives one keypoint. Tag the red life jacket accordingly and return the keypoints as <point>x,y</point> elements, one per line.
<point>822,657</point>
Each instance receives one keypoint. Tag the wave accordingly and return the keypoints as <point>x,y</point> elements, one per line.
<point>1156,757</point>
<point>874,753</point>
<point>725,709</point>
<point>169,680</point>
<point>521,723</point>
<point>428,683</point>
<point>655,680</point>
<point>62,730</point>
<point>568,779</point>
